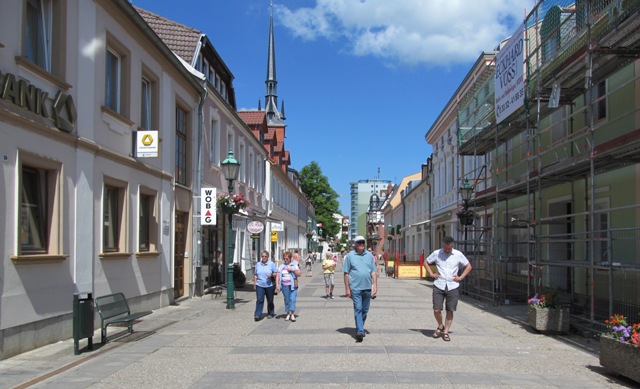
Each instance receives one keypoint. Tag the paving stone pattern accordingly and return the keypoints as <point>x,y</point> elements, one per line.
<point>198,343</point>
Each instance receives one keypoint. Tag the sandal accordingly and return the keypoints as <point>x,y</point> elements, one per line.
<point>436,333</point>
<point>446,337</point>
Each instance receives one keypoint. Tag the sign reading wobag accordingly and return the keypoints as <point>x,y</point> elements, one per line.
<point>208,206</point>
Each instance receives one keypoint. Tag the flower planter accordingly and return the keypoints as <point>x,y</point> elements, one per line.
<point>549,320</point>
<point>622,358</point>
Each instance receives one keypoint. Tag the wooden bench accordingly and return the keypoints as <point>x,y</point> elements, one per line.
<point>114,309</point>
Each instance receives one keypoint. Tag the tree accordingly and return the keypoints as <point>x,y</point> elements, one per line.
<point>324,199</point>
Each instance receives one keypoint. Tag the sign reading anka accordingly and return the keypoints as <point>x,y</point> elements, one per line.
<point>208,206</point>
<point>147,144</point>
<point>509,81</point>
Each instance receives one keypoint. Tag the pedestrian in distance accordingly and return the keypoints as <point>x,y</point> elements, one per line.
<point>264,284</point>
<point>287,277</point>
<point>329,268</point>
<point>309,264</point>
<point>360,283</point>
<point>449,262</point>
<point>296,258</point>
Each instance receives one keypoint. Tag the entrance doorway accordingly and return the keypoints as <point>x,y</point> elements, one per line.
<point>178,264</point>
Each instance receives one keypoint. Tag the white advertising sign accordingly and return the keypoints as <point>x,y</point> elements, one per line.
<point>255,227</point>
<point>277,226</point>
<point>147,144</point>
<point>208,206</point>
<point>509,81</point>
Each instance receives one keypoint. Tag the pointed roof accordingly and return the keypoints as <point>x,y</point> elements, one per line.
<point>271,95</point>
<point>252,117</point>
<point>181,39</point>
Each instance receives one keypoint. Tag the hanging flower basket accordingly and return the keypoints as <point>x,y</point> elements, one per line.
<point>466,217</point>
<point>230,204</point>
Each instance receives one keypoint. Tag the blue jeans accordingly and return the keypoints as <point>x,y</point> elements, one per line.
<point>290,297</point>
<point>361,300</point>
<point>260,294</point>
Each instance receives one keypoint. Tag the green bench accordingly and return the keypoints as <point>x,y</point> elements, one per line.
<point>114,309</point>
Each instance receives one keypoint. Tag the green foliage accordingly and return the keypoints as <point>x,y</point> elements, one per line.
<point>324,199</point>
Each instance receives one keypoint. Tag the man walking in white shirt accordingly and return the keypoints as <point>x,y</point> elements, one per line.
<point>448,262</point>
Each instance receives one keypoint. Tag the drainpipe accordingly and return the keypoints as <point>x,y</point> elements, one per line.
<point>196,230</point>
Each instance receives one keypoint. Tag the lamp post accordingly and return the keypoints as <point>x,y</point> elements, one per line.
<point>465,191</point>
<point>309,234</point>
<point>230,168</point>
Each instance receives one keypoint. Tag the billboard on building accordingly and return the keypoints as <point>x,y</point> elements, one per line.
<point>509,81</point>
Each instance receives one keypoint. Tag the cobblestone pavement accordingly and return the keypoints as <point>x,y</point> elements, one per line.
<point>198,343</point>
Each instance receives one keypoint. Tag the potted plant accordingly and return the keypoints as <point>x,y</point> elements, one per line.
<point>619,347</point>
<point>546,314</point>
<point>231,204</point>
<point>238,276</point>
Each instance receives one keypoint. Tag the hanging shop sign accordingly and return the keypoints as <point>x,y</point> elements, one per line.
<point>255,227</point>
<point>274,236</point>
<point>147,144</point>
<point>61,110</point>
<point>208,206</point>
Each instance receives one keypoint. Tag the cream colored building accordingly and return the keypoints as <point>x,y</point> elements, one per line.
<point>83,210</point>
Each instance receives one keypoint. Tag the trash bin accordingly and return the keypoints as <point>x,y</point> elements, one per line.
<point>82,320</point>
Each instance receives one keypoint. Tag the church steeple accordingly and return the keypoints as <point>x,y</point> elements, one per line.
<point>271,96</point>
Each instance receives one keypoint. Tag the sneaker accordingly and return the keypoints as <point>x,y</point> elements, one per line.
<point>331,296</point>
<point>359,337</point>
<point>287,318</point>
<point>271,316</point>
<point>293,317</point>
<point>256,318</point>
<point>327,297</point>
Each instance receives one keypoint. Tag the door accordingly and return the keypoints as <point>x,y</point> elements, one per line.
<point>178,265</point>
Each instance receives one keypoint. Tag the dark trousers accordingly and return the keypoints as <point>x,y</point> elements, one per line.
<point>260,294</point>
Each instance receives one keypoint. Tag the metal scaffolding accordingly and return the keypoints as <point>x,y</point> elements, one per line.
<point>557,196</point>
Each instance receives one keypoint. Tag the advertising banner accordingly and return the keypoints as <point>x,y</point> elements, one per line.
<point>509,81</point>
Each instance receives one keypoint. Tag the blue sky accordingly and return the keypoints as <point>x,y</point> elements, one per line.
<point>362,80</point>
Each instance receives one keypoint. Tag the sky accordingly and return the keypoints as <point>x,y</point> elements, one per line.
<point>362,81</point>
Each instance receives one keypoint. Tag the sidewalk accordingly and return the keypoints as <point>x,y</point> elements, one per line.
<point>198,343</point>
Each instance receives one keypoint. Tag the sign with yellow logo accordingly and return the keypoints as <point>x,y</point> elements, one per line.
<point>274,236</point>
<point>147,144</point>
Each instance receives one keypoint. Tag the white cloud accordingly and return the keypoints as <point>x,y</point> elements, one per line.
<point>431,32</point>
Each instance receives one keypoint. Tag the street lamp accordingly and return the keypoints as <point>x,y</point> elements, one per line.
<point>465,191</point>
<point>230,168</point>
<point>309,234</point>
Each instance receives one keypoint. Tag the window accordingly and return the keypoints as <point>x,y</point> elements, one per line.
<point>145,105</point>
<point>38,228</point>
<point>113,217</point>
<point>558,127</point>
<point>181,146</point>
<point>33,211</point>
<point>148,223</point>
<point>38,33</point>
<point>145,215</point>
<point>600,104</point>
<point>214,141</point>
<point>112,83</point>
<point>111,223</point>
